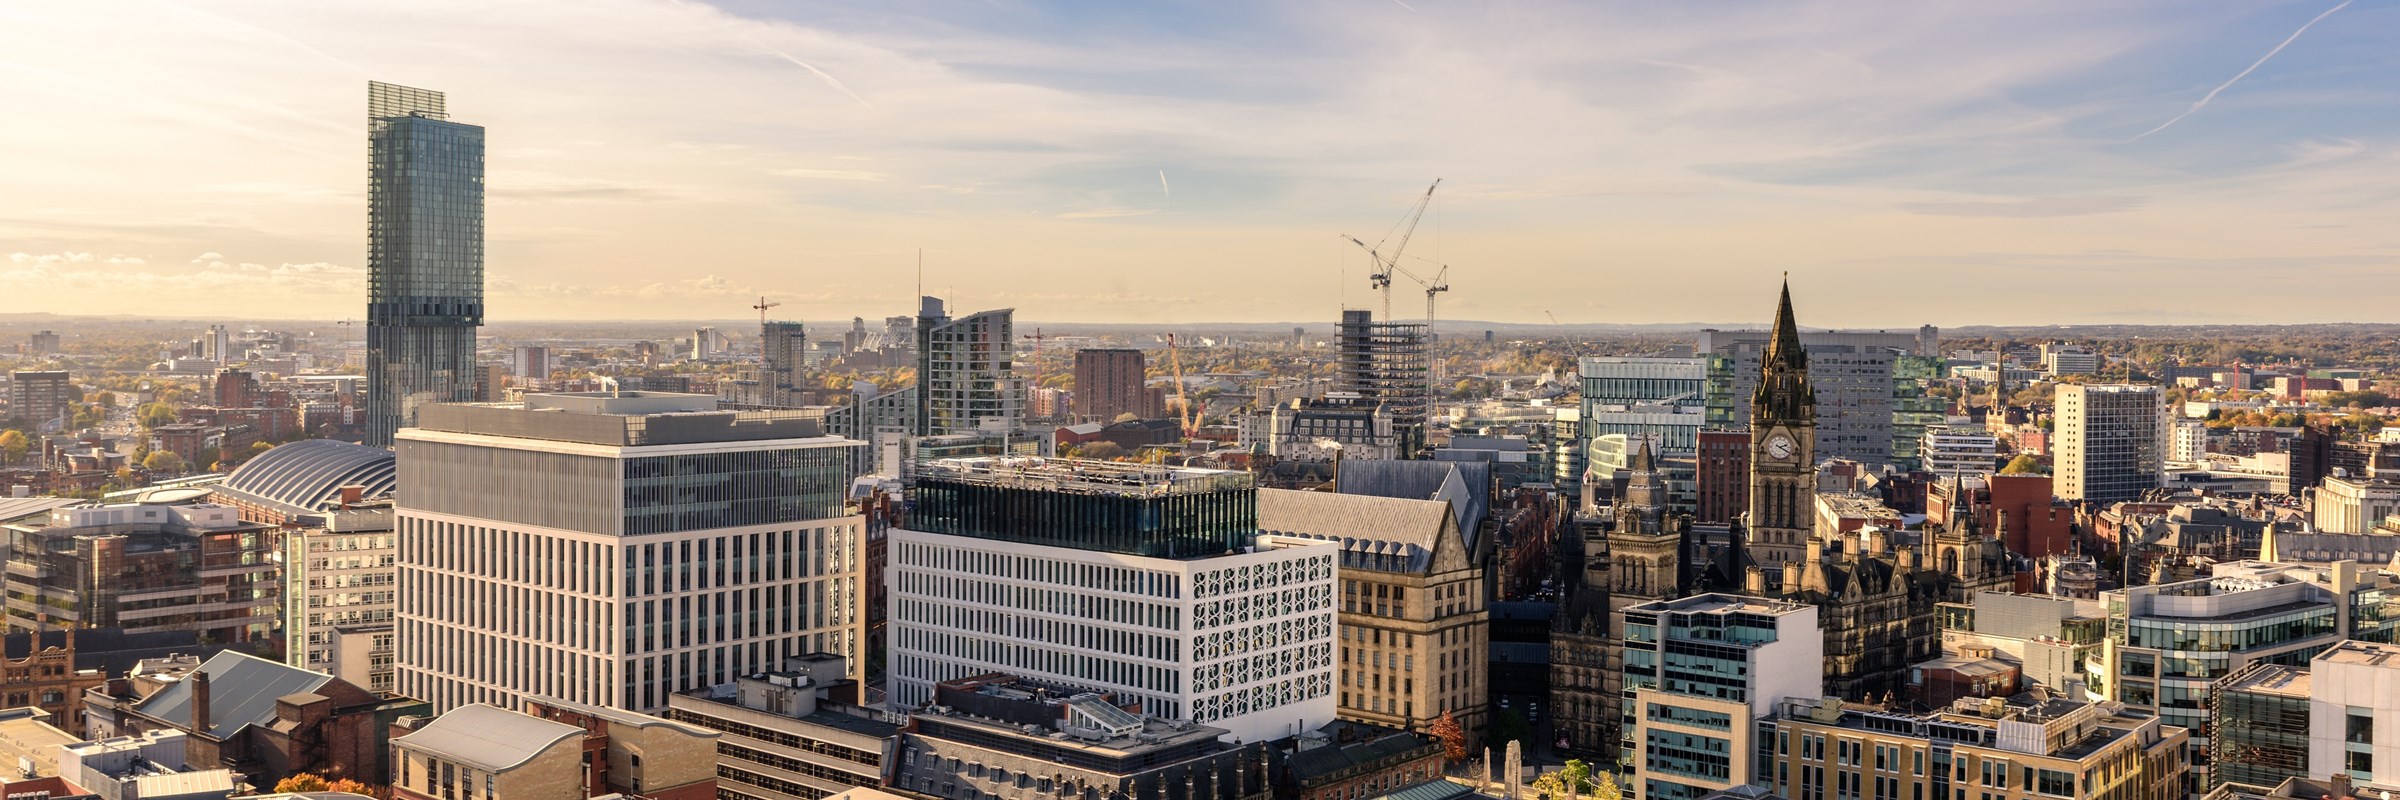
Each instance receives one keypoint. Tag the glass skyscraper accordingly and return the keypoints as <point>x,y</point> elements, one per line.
<point>424,256</point>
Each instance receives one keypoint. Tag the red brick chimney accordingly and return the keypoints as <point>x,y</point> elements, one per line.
<point>200,718</point>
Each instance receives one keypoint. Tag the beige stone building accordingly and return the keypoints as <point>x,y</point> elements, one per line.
<point>555,751</point>
<point>1414,634</point>
<point>2030,747</point>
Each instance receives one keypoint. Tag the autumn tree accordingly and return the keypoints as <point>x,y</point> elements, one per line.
<point>1454,738</point>
<point>311,782</point>
<point>2024,464</point>
<point>163,461</point>
<point>14,445</point>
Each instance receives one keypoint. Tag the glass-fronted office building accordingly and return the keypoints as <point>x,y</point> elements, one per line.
<point>424,256</point>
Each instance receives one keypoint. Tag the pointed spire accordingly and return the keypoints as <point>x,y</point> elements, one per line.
<point>1643,459</point>
<point>1784,345</point>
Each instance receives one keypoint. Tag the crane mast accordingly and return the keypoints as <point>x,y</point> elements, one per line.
<point>1380,276</point>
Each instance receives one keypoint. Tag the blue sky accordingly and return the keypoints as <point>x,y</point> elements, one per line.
<point>1955,163</point>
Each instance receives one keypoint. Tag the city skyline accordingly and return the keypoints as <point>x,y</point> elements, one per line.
<point>674,160</point>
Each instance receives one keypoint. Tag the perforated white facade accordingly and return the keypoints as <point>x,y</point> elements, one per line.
<point>1242,641</point>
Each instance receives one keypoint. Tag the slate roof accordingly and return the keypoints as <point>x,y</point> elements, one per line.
<point>1334,757</point>
<point>488,737</point>
<point>242,689</point>
<point>1466,484</point>
<point>1382,533</point>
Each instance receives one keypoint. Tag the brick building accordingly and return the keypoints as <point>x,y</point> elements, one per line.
<point>265,720</point>
<point>1724,476</point>
<point>46,678</point>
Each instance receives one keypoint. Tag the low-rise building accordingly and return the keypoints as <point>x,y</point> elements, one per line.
<point>557,752</point>
<point>2028,747</point>
<point>151,766</point>
<point>996,736</point>
<point>784,738</point>
<point>263,719</point>
<point>1347,760</point>
<point>2354,713</point>
<point>2354,504</point>
<point>172,565</point>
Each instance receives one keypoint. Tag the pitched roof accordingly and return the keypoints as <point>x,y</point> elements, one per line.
<point>1408,531</point>
<point>488,737</point>
<point>242,689</point>
<point>1466,484</point>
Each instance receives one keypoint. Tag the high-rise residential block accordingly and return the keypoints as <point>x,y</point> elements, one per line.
<point>1388,363</point>
<point>782,376</point>
<point>2112,441</point>
<point>1149,582</point>
<point>966,376</point>
<point>41,343</point>
<point>40,397</point>
<point>615,548</point>
<point>424,256</point>
<point>1113,382</point>
<point>531,363</point>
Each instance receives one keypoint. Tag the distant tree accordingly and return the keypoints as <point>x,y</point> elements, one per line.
<point>1099,450</point>
<point>163,462</point>
<point>90,416</point>
<point>156,414</point>
<point>13,446</point>
<point>259,447</point>
<point>2024,464</point>
<point>1126,417</point>
<point>1454,738</point>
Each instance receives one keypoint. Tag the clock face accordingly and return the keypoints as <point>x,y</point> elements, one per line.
<point>1781,447</point>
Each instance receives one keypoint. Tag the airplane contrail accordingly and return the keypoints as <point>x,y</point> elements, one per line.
<point>1412,9</point>
<point>1162,184</point>
<point>2212,93</point>
<point>829,80</point>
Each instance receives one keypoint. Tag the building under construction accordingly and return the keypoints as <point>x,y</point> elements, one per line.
<point>1389,363</point>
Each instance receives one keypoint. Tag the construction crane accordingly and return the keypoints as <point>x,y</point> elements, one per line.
<point>1380,277</point>
<point>1438,285</point>
<point>1185,415</point>
<point>762,307</point>
<point>1036,338</point>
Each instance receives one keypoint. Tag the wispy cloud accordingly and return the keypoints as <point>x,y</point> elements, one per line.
<point>832,174</point>
<point>2029,207</point>
<point>2254,65</point>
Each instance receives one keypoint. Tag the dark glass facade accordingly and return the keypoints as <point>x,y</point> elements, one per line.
<point>2260,737</point>
<point>424,256</point>
<point>699,491</point>
<point>1163,525</point>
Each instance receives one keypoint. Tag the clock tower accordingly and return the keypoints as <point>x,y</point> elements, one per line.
<point>1783,448</point>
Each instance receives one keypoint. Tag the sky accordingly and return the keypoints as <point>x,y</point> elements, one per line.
<point>1958,163</point>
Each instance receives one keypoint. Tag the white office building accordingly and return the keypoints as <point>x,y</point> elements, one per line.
<point>615,548</point>
<point>1699,673</point>
<point>1959,452</point>
<point>1149,582</point>
<point>2354,713</point>
<point>2355,505</point>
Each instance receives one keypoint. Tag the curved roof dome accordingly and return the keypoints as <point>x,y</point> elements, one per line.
<point>308,475</point>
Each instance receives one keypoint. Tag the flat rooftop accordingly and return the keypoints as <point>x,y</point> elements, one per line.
<point>2368,653</point>
<point>1084,476</point>
<point>1723,604</point>
<point>2273,679</point>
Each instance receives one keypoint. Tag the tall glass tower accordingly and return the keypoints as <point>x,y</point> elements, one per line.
<point>424,256</point>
